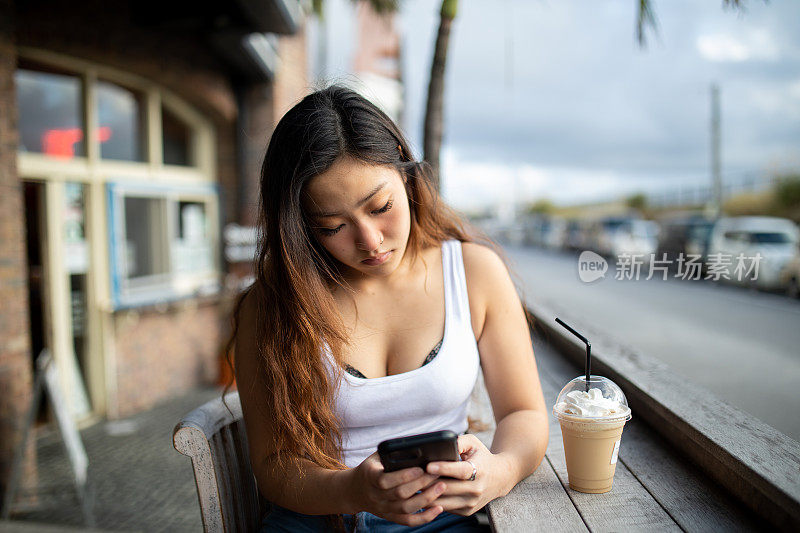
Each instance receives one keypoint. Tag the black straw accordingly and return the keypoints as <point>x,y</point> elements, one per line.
<point>588,350</point>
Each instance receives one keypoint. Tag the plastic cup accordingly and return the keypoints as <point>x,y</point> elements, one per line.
<point>592,437</point>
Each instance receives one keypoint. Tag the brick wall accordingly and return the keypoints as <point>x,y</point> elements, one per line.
<point>258,125</point>
<point>265,104</point>
<point>164,353</point>
<point>15,358</point>
<point>291,78</point>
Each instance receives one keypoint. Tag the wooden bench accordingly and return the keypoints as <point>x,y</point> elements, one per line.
<point>216,441</point>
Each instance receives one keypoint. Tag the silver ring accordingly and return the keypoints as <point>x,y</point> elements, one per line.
<point>474,471</point>
<point>381,239</point>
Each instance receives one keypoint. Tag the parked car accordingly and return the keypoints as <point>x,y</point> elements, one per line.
<point>635,237</point>
<point>685,234</point>
<point>576,235</point>
<point>601,232</point>
<point>546,231</point>
<point>512,233</point>
<point>532,229</point>
<point>613,236</point>
<point>774,239</point>
<point>790,276</point>
<point>554,232</point>
<point>698,239</point>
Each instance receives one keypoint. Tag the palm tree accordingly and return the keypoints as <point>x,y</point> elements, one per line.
<point>434,109</point>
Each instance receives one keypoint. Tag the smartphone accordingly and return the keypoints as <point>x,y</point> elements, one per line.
<point>418,450</point>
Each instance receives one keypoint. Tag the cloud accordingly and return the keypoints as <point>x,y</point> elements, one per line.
<point>756,44</point>
<point>468,183</point>
<point>555,99</point>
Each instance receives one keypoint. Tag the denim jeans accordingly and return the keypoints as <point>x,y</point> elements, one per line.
<point>280,519</point>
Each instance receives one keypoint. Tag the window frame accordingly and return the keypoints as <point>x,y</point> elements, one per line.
<point>91,167</point>
<point>144,115</point>
<point>172,285</point>
<point>35,65</point>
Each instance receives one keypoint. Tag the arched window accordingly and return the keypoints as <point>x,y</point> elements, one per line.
<point>147,161</point>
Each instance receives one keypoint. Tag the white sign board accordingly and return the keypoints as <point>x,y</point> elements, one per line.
<point>66,424</point>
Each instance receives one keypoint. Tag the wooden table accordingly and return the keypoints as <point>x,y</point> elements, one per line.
<point>655,487</point>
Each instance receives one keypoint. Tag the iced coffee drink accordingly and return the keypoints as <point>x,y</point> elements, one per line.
<point>591,421</point>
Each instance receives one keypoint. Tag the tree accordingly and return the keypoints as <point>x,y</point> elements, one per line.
<point>541,207</point>
<point>636,201</point>
<point>434,109</point>
<point>787,191</point>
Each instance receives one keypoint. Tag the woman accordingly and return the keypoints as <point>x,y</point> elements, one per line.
<point>361,271</point>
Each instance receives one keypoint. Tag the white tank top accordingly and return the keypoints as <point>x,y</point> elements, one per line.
<point>432,397</point>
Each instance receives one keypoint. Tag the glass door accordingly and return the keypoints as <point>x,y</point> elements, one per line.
<point>76,259</point>
<point>66,267</point>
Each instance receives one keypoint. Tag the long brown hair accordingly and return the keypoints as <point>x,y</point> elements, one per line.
<point>294,274</point>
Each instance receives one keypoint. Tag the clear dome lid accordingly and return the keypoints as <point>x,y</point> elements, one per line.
<point>603,401</point>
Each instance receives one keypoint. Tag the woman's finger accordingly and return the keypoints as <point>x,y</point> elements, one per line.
<point>390,480</point>
<point>407,490</point>
<point>468,444</point>
<point>454,469</point>
<point>424,499</point>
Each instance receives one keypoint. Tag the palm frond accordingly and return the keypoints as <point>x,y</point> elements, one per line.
<point>736,5</point>
<point>449,9</point>
<point>382,7</point>
<point>646,17</point>
<point>317,7</point>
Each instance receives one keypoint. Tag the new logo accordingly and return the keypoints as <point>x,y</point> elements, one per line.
<point>591,266</point>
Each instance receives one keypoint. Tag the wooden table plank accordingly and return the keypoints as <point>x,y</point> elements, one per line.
<point>537,503</point>
<point>627,507</point>
<point>693,500</point>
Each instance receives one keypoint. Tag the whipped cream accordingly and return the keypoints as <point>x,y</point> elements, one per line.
<point>590,403</point>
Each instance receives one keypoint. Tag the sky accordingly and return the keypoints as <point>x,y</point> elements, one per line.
<point>555,100</point>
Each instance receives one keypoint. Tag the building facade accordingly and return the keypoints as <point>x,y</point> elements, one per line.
<point>131,136</point>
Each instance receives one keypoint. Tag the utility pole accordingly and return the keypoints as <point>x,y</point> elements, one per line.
<point>715,152</point>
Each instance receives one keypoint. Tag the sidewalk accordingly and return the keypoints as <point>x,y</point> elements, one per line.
<point>141,482</point>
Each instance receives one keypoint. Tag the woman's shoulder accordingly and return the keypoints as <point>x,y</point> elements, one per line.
<point>481,261</point>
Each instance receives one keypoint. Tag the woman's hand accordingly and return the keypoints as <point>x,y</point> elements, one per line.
<point>393,495</point>
<point>464,497</point>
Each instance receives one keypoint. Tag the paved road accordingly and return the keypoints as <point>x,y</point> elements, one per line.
<point>742,345</point>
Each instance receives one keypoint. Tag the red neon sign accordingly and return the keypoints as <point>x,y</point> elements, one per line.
<point>61,143</point>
